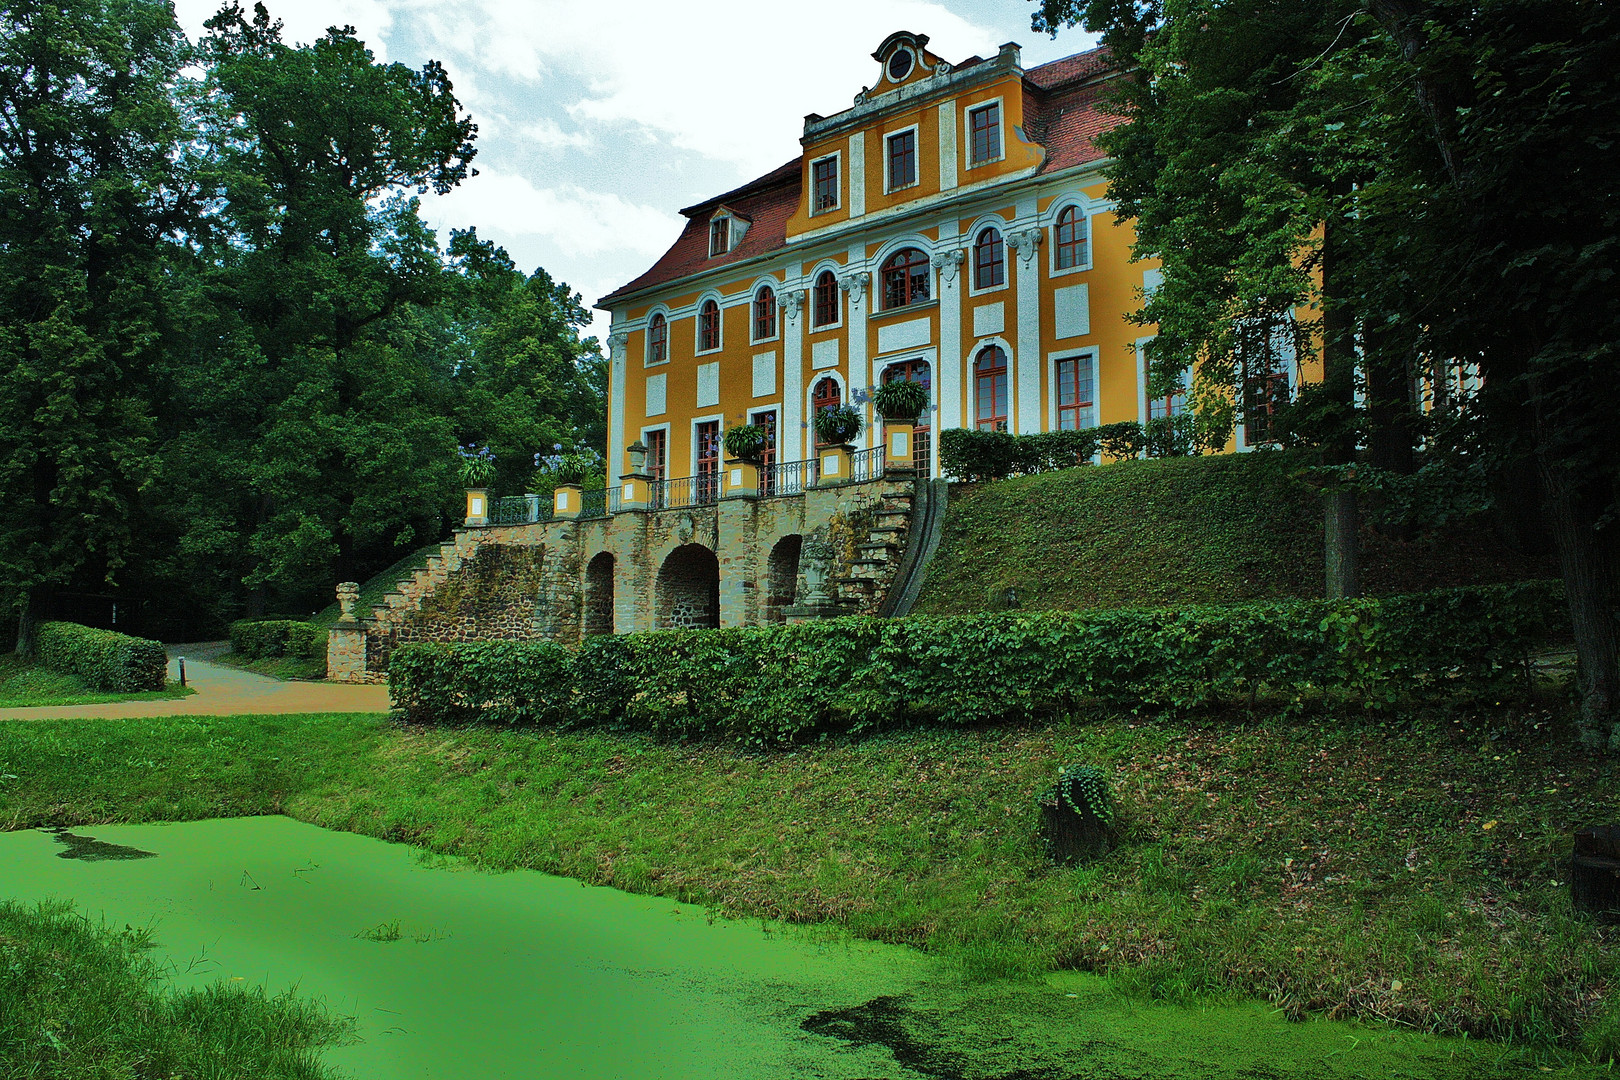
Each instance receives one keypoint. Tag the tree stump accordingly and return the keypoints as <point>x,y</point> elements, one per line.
<point>1071,837</point>
<point>1594,878</point>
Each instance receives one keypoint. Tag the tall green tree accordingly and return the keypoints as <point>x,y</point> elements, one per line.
<point>89,208</point>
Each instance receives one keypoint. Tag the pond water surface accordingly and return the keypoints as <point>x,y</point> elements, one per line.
<point>452,973</point>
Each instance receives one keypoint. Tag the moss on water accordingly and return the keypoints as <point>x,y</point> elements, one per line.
<point>1405,872</point>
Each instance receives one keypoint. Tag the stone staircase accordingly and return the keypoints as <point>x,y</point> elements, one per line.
<point>414,585</point>
<point>873,571</point>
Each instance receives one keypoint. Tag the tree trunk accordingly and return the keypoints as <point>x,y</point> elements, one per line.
<point>1341,540</point>
<point>1594,873</point>
<point>28,619</point>
<point>1589,587</point>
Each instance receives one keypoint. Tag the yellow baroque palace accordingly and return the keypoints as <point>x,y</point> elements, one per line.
<point>953,227</point>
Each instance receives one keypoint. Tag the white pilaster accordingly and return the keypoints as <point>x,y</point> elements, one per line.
<point>857,174</point>
<point>1026,241</point>
<point>947,146</point>
<point>792,444</point>
<point>617,462</point>
<point>857,286</point>
<point>948,372</point>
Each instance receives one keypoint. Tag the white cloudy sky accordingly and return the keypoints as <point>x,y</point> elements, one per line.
<point>597,122</point>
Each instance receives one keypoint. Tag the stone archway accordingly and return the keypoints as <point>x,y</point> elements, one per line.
<point>688,591</point>
<point>599,595</point>
<point>782,578</point>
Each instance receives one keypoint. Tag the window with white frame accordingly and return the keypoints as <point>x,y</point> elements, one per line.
<point>902,159</point>
<point>824,184</point>
<point>984,134</point>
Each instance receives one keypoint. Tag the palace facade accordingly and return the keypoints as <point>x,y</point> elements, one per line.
<point>953,227</point>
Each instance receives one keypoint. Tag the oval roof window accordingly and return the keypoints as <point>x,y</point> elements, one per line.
<point>899,64</point>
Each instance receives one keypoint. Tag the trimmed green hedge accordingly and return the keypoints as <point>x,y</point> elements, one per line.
<point>106,660</point>
<point>258,639</point>
<point>772,685</point>
<point>969,454</point>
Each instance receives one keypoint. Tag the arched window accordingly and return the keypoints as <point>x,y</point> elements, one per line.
<point>989,260</point>
<point>709,326</point>
<point>905,278</point>
<point>826,395</point>
<point>1070,249</point>
<point>990,389</point>
<point>826,299</point>
<point>764,313</point>
<point>658,339</point>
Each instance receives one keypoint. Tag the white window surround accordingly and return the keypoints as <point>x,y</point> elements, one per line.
<point>967,132</point>
<point>910,71</point>
<point>776,295</point>
<point>692,450</point>
<point>1050,242</point>
<point>809,313</point>
<point>1052,359</point>
<point>810,398</point>
<point>810,184</point>
<point>643,437</point>
<point>646,338</point>
<point>697,323</point>
<point>916,155</point>
<point>1007,255</point>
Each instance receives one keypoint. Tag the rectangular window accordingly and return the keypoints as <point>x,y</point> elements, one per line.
<point>719,236</point>
<point>767,459</point>
<point>902,160</point>
<point>984,133</point>
<point>708,461</point>
<point>657,464</point>
<point>1076,394</point>
<point>824,185</point>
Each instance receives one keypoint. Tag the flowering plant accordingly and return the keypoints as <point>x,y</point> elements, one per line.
<point>477,465</point>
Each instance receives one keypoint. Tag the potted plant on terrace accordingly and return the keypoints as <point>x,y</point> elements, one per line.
<point>837,425</point>
<point>477,471</point>
<point>746,442</point>
<point>900,401</point>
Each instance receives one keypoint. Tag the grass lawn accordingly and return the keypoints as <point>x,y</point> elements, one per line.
<point>277,667</point>
<point>82,1001</point>
<point>24,685</point>
<point>1412,872</point>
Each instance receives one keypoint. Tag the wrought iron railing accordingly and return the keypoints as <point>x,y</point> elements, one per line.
<point>787,478</point>
<point>701,490</point>
<point>594,504</point>
<point>518,510</point>
<point>866,465</point>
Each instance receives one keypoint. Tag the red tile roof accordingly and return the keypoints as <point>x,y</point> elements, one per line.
<point>1061,112</point>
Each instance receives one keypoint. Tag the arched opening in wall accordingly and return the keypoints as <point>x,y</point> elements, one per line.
<point>599,595</point>
<point>782,578</point>
<point>688,592</point>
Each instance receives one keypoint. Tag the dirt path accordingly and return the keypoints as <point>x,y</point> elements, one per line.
<point>223,691</point>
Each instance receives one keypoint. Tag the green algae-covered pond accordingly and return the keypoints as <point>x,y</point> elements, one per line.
<point>449,972</point>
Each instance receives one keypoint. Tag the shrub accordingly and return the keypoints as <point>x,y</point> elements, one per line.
<point>258,639</point>
<point>106,660</point>
<point>996,455</point>
<point>764,685</point>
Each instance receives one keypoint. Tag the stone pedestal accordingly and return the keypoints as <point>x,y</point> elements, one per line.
<point>740,481</point>
<point>635,491</point>
<point>899,440</point>
<point>836,465</point>
<point>477,507</point>
<point>565,502</point>
<point>346,641</point>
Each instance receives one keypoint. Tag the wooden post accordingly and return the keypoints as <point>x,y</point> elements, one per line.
<point>1594,876</point>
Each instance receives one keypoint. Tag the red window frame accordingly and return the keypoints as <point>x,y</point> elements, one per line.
<point>1262,395</point>
<point>767,457</point>
<point>1071,239</point>
<point>990,389</point>
<point>826,299</point>
<point>1076,391</point>
<point>709,326</point>
<point>905,278</point>
<point>658,339</point>
<point>764,313</point>
<point>825,395</point>
<point>989,260</point>
<point>824,184</point>
<point>707,438</point>
<point>657,464</point>
<point>917,371</point>
<point>902,160</point>
<point>984,126</point>
<point>719,236</point>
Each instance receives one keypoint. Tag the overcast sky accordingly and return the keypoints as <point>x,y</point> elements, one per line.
<point>598,121</point>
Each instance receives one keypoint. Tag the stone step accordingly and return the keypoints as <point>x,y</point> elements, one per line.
<point>875,567</point>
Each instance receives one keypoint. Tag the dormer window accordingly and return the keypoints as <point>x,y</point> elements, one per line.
<point>824,184</point>
<point>719,236</point>
<point>899,64</point>
<point>984,134</point>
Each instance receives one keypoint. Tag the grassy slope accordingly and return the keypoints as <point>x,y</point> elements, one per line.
<point>1174,531</point>
<point>276,667</point>
<point>1313,865</point>
<point>24,685</point>
<point>378,585</point>
<point>80,1001</point>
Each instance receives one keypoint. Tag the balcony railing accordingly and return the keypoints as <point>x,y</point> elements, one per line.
<point>866,465</point>
<point>701,490</point>
<point>599,503</point>
<point>518,510</point>
<point>787,478</point>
